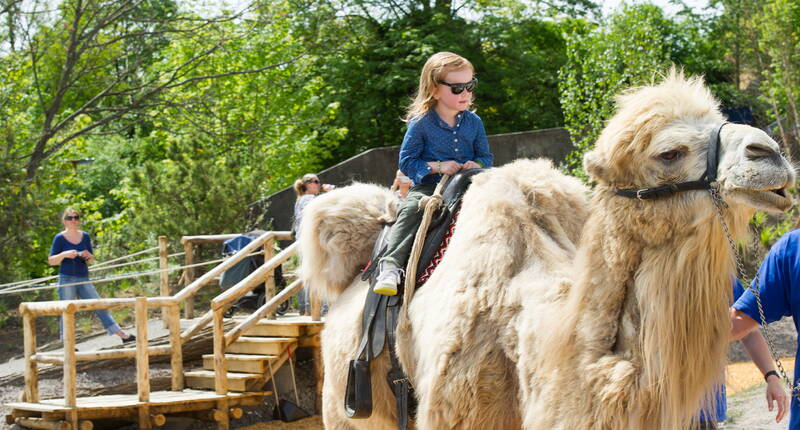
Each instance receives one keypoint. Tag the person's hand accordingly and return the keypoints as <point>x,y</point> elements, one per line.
<point>470,165</point>
<point>86,255</point>
<point>327,187</point>
<point>776,395</point>
<point>449,167</point>
<point>70,253</point>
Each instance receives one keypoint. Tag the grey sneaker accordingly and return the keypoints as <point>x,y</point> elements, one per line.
<point>388,280</point>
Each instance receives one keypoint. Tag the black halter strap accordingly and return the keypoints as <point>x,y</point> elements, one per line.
<point>704,183</point>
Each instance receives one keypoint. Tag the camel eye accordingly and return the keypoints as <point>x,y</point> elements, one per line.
<point>669,155</point>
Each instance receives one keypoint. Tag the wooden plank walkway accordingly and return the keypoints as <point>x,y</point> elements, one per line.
<point>200,401</point>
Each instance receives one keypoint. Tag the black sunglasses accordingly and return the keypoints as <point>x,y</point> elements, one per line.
<point>312,181</point>
<point>459,88</point>
<point>72,217</point>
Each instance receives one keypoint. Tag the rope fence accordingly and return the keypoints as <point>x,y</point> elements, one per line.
<point>19,288</point>
<point>94,267</point>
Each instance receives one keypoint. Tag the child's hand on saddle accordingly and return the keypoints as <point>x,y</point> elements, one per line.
<point>450,167</point>
<point>470,165</point>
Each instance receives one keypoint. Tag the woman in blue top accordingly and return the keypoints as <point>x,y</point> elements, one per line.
<point>443,136</point>
<point>72,250</point>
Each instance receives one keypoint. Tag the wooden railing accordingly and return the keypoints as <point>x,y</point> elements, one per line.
<point>170,306</point>
<point>70,357</point>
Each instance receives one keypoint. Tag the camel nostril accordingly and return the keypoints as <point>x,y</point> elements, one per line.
<point>759,150</point>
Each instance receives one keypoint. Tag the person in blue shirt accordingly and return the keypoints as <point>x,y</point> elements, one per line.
<point>443,137</point>
<point>756,347</point>
<point>778,283</point>
<point>71,251</point>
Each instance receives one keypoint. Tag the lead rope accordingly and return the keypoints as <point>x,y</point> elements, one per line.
<point>430,204</point>
<point>720,206</point>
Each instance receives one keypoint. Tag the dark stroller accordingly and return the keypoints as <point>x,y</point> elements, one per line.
<point>255,298</point>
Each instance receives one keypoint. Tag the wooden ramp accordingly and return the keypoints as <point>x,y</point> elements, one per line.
<point>252,360</point>
<point>243,359</point>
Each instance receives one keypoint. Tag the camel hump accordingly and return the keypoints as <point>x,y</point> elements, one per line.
<point>339,229</point>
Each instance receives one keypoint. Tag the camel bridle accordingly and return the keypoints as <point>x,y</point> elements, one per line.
<point>706,182</point>
<point>709,182</point>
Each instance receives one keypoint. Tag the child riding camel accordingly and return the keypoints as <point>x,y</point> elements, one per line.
<point>443,137</point>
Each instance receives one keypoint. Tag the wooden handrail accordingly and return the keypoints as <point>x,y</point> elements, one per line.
<point>170,312</point>
<point>208,238</point>
<point>58,358</point>
<point>216,238</point>
<point>245,285</point>
<point>264,310</point>
<point>197,326</point>
<point>72,306</point>
<point>192,288</point>
<point>238,290</point>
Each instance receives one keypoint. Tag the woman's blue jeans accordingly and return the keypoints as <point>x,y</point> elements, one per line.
<point>84,291</point>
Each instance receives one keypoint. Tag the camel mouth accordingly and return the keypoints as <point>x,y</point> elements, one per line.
<point>769,199</point>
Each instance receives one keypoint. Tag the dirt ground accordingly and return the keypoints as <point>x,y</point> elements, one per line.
<point>311,423</point>
<point>746,405</point>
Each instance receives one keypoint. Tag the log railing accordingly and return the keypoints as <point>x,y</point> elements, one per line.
<point>169,306</point>
<point>70,357</point>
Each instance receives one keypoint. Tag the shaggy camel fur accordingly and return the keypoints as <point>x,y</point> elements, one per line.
<point>533,319</point>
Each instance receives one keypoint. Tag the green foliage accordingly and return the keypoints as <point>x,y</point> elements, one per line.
<point>604,60</point>
<point>375,70</point>
<point>160,120</point>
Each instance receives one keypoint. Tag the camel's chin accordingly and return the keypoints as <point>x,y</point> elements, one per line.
<point>773,200</point>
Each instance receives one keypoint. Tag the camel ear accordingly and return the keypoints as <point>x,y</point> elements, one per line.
<point>594,163</point>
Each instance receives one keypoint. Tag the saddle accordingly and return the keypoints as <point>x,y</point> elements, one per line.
<point>379,318</point>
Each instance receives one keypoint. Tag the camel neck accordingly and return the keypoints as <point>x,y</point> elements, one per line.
<point>659,300</point>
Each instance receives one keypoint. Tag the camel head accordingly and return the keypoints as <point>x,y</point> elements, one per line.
<point>661,135</point>
<point>670,251</point>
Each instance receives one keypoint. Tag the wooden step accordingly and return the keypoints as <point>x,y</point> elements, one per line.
<point>260,345</point>
<point>270,328</point>
<point>204,379</point>
<point>246,363</point>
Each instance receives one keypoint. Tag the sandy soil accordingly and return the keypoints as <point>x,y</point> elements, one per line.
<point>746,405</point>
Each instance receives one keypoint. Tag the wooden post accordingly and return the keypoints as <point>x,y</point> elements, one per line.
<point>177,349</point>
<point>188,278</point>
<point>144,417</point>
<point>319,376</point>
<point>269,283</point>
<point>220,363</point>
<point>70,369</point>
<point>142,358</point>
<point>70,372</point>
<point>31,368</point>
<point>221,368</point>
<point>163,265</point>
<point>316,304</point>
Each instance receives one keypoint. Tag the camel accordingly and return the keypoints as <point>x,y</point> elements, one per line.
<point>552,309</point>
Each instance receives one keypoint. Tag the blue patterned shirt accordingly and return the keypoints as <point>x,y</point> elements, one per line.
<point>429,138</point>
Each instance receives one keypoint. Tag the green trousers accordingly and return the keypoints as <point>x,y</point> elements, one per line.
<point>405,228</point>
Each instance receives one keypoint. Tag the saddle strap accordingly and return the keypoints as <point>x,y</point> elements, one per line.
<point>358,392</point>
<point>396,378</point>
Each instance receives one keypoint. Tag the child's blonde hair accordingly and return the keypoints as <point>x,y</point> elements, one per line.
<point>433,72</point>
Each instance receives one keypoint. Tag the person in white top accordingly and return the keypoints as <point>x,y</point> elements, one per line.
<point>306,189</point>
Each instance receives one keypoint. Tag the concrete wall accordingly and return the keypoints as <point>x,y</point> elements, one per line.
<point>379,165</point>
